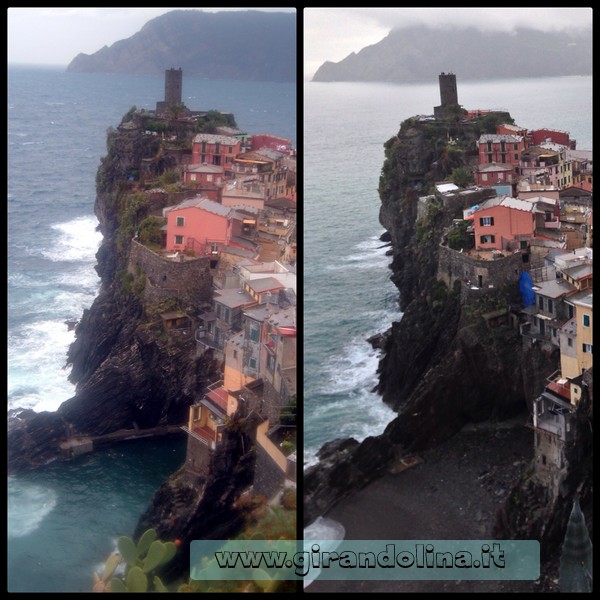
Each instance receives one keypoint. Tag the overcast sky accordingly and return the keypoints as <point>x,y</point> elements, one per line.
<point>55,36</point>
<point>333,33</point>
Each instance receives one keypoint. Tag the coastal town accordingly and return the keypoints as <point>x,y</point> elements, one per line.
<point>225,259</point>
<point>490,228</point>
<point>529,217</point>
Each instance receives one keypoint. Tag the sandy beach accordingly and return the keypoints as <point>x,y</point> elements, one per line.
<point>453,494</point>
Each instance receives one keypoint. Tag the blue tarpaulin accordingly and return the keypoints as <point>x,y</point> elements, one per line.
<point>526,287</point>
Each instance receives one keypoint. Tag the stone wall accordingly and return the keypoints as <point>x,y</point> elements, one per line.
<point>198,459</point>
<point>268,477</point>
<point>189,281</point>
<point>454,265</point>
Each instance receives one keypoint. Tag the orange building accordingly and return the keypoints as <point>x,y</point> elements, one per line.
<point>501,220</point>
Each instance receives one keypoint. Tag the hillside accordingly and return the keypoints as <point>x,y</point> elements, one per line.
<point>421,53</point>
<point>241,45</point>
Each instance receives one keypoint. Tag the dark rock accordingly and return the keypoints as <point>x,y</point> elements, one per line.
<point>345,466</point>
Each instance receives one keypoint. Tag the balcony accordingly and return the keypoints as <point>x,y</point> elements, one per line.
<point>203,435</point>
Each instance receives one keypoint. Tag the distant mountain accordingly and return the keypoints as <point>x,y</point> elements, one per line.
<point>244,45</point>
<point>421,54</point>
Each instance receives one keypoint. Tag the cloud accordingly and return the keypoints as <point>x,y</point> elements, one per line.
<point>332,34</point>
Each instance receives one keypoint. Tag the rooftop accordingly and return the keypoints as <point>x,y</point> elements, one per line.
<point>233,298</point>
<point>584,298</point>
<point>579,271</point>
<point>212,138</point>
<point>500,137</point>
<point>264,284</point>
<point>507,202</point>
<point>204,168</point>
<point>555,288</point>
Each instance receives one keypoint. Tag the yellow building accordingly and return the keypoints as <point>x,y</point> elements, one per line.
<point>583,303</point>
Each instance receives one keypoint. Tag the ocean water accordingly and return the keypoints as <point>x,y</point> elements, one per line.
<point>348,296</point>
<point>57,124</point>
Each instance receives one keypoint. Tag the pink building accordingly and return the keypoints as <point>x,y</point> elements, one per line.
<point>198,225</point>
<point>214,149</point>
<point>494,174</point>
<point>502,220</point>
<point>500,148</point>
<point>204,174</point>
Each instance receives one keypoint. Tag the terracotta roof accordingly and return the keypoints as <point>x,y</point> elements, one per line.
<point>218,397</point>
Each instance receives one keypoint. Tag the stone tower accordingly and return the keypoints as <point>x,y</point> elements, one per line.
<point>173,79</point>
<point>448,94</point>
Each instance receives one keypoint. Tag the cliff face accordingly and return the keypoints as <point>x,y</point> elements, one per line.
<point>442,366</point>
<point>128,372</point>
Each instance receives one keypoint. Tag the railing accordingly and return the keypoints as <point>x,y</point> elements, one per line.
<point>209,443</point>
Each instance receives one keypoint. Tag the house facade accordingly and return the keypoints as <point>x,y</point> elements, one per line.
<point>502,220</point>
<point>500,148</point>
<point>212,149</point>
<point>198,225</point>
<point>487,175</point>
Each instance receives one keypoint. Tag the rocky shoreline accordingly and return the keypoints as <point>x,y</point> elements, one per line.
<point>455,493</point>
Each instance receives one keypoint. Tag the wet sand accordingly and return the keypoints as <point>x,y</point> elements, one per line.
<point>453,494</point>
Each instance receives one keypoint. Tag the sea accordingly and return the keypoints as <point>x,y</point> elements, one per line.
<point>64,518</point>
<point>348,296</point>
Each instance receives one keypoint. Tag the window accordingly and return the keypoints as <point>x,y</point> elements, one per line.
<point>180,221</point>
<point>230,149</point>
<point>487,239</point>
<point>489,146</point>
<point>218,310</point>
<point>541,303</point>
<point>270,362</point>
<point>500,176</point>
<point>209,178</point>
<point>570,311</point>
<point>516,157</point>
<point>489,158</point>
<point>193,176</point>
<point>254,334</point>
<point>253,363</point>
<point>516,147</point>
<point>226,314</point>
<point>235,354</point>
<point>570,342</point>
<point>179,240</point>
<point>586,320</point>
<point>486,221</point>
<point>587,348</point>
<point>550,306</point>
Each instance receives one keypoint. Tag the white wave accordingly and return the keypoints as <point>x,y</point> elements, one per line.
<point>28,506</point>
<point>78,240</point>
<point>37,354</point>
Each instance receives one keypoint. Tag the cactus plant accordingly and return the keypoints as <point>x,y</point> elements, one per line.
<point>142,559</point>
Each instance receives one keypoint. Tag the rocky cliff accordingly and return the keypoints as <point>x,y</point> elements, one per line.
<point>442,365</point>
<point>128,372</point>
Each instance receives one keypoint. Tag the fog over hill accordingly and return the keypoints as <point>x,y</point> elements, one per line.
<point>421,53</point>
